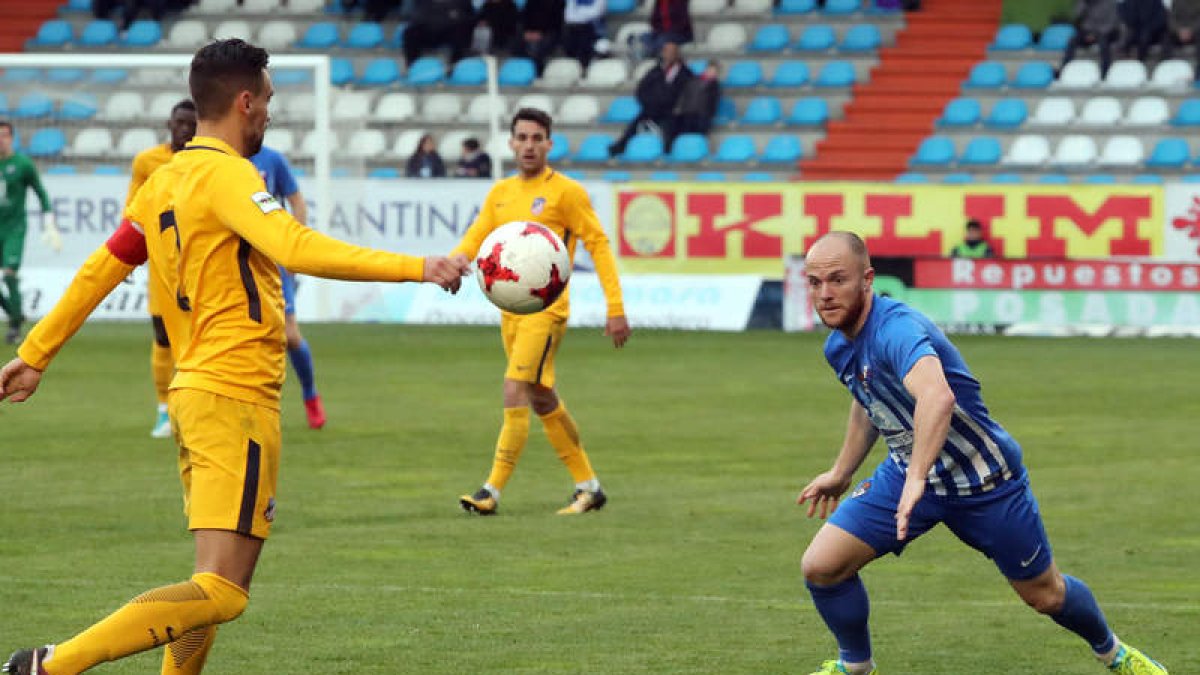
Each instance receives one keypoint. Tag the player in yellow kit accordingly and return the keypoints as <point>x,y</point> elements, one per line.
<point>159,300</point>
<point>229,235</point>
<point>539,193</point>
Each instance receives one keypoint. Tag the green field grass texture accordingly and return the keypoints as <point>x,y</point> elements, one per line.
<point>702,442</point>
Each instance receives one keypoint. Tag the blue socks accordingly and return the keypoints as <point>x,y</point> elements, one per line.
<point>302,362</point>
<point>1081,615</point>
<point>845,609</point>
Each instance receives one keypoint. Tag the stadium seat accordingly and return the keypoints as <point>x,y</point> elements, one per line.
<point>1007,113</point>
<point>1007,179</point>
<point>1011,38</point>
<point>664,176</point>
<point>134,141</point>
<point>707,7</point>
<point>298,106</point>
<point>108,170</point>
<point>688,149</point>
<point>1188,178</point>
<point>961,112</point>
<point>53,33</point>
<point>259,6</point>
<point>643,149</point>
<point>542,102</point>
<point>623,110</point>
<point>1188,114</point>
<point>366,144</point>
<point>31,106</point>
<point>934,151</point>
<point>517,72</point>
<point>3,103</point>
<point>303,6</point>
<point>215,7</point>
<point>291,77</point>
<point>836,74</point>
<point>1079,74</point>
<point>350,106</point>
<point>76,6</point>
<point>1054,111</point>
<point>710,177</point>
<point>397,41</point>
<point>98,33</point>
<point>60,170</point>
<point>561,73</point>
<point>981,151</point>
<point>1122,151</point>
<point>621,6</point>
<point>1053,179</point>
<point>793,7</point>
<point>817,37</point>
<point>736,149</point>
<point>759,177</point>
<point>958,178</point>
<point>142,33</point>
<point>809,112</point>
<point>986,75</point>
<point>228,30</point>
<point>629,36</point>
<point>277,35</point>
<point>1055,37</point>
<point>594,148</point>
<point>606,74</point>
<point>1125,74</point>
<point>109,76</point>
<point>479,110</point>
<point>281,140</point>
<point>726,112</point>
<point>384,172</point>
<point>65,75</point>
<point>426,71</point>
<point>1169,153</point>
<point>406,142</point>
<point>559,148</point>
<point>1099,179</point>
<point>789,74</point>
<point>187,34</point>
<point>21,75</point>
<point>468,72</point>
<point>1148,111</point>
<point>1033,75</point>
<point>782,149</point>
<point>395,107</point>
<point>381,72</point>
<point>78,106</point>
<point>320,35</point>
<point>1173,74</point>
<point>743,74</point>
<point>161,105</point>
<point>364,35</point>
<point>1147,179</point>
<point>441,108</point>
<point>124,105</point>
<point>726,37</point>
<point>770,38</point>
<point>579,109</point>
<point>312,142</point>
<point>1075,151</point>
<point>763,110</point>
<point>842,7</point>
<point>615,176</point>
<point>341,71</point>
<point>47,142</point>
<point>752,8</point>
<point>1100,111</point>
<point>863,37</point>
<point>910,178</point>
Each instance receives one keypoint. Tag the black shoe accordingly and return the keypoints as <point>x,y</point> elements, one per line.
<point>583,501</point>
<point>482,502</point>
<point>26,662</point>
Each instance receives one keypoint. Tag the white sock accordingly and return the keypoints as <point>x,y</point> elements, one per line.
<point>592,485</point>
<point>859,668</point>
<point>1107,657</point>
<point>162,408</point>
<point>492,489</point>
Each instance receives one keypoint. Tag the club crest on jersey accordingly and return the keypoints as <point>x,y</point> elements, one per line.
<point>864,376</point>
<point>265,201</point>
<point>861,489</point>
<point>538,206</point>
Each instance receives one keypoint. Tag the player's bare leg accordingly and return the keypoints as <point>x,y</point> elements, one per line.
<point>830,566</point>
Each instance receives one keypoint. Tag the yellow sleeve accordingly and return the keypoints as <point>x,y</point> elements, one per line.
<point>138,176</point>
<point>582,219</point>
<point>484,223</point>
<point>241,202</point>
<point>98,276</point>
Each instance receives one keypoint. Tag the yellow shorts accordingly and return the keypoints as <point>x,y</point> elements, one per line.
<point>530,343</point>
<point>228,461</point>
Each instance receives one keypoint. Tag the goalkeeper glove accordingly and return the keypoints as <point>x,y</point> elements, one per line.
<point>50,235</point>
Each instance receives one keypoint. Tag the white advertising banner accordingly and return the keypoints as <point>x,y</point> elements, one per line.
<point>1181,231</point>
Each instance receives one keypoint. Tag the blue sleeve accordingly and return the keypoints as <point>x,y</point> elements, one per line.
<point>902,342</point>
<point>286,182</point>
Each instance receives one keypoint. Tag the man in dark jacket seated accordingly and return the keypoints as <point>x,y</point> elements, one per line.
<point>658,93</point>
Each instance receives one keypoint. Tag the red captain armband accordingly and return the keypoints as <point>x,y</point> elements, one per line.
<point>128,244</point>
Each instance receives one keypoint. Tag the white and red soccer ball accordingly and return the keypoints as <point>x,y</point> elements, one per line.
<point>523,267</point>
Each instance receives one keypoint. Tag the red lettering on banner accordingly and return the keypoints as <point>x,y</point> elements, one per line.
<point>985,209</point>
<point>823,208</point>
<point>890,208</point>
<point>1190,224</point>
<point>710,242</point>
<point>1049,208</point>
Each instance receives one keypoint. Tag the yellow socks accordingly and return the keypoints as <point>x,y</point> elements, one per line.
<point>186,656</point>
<point>150,620</point>
<point>162,366</point>
<point>564,436</point>
<point>512,439</point>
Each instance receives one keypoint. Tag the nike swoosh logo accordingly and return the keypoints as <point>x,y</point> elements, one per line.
<point>1027,563</point>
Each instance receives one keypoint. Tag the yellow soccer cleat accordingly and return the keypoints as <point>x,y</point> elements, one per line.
<point>1130,661</point>
<point>583,501</point>
<point>836,668</point>
<point>482,502</point>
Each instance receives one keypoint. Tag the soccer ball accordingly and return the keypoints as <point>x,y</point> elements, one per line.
<point>523,267</point>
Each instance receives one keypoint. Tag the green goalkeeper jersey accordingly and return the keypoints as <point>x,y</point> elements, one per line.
<point>19,175</point>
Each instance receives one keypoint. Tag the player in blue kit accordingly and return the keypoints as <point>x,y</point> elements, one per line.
<point>277,174</point>
<point>948,462</point>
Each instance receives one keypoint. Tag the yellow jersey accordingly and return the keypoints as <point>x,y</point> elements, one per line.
<point>144,165</point>
<point>561,204</point>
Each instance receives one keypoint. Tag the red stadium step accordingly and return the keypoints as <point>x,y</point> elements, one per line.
<point>20,21</point>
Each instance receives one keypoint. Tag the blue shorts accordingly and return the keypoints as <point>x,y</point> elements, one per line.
<point>1003,524</point>
<point>289,291</point>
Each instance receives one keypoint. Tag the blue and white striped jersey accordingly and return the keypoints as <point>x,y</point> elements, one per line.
<point>978,454</point>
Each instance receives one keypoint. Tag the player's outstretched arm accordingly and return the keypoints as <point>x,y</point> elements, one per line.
<point>18,380</point>
<point>824,491</point>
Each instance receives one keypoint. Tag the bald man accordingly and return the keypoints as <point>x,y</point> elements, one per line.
<point>948,462</point>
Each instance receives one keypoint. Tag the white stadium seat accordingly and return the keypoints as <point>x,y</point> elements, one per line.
<point>442,108</point>
<point>124,105</point>
<point>540,101</point>
<point>1075,151</point>
<point>606,74</point>
<point>707,7</point>
<point>136,140</point>
<point>1053,111</point>
<point>406,142</point>
<point>1079,74</point>
<point>161,105</point>
<point>579,109</point>
<point>627,33</point>
<point>450,147</point>
<point>1148,111</point>
<point>313,141</point>
<point>303,6</point>
<point>227,30</point>
<point>1173,74</point>
<point>727,37</point>
<point>187,34</point>
<point>1029,150</point>
<point>350,106</point>
<point>214,6</point>
<point>366,144</point>
<point>499,149</point>
<point>640,70</point>
<point>477,109</point>
<point>753,7</point>
<point>160,77</point>
<point>1126,74</point>
<point>92,142</point>
<point>395,107</point>
<point>298,106</point>
<point>1122,151</point>
<point>277,35</point>
<point>282,140</point>
<point>1101,111</point>
<point>259,6</point>
<point>561,73</point>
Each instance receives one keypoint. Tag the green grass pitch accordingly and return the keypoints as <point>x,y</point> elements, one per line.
<point>701,440</point>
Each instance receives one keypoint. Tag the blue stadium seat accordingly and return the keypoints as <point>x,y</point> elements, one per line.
<point>65,75</point>
<point>291,77</point>
<point>763,110</point>
<point>1100,179</point>
<point>710,177</point>
<point>384,172</point>
<point>1053,179</point>
<point>688,149</point>
<point>759,177</point>
<point>643,149</point>
<point>469,72</point>
<point>664,176</point>
<point>818,37</point>
<point>791,7</point>
<point>958,178</point>
<point>60,170</point>
<point>621,6</point>
<point>426,71</point>
<point>910,178</point>
<point>76,6</point>
<point>53,33</point>
<point>559,148</point>
<point>863,37</point>
<point>1007,179</point>
<point>1007,113</point>
<point>961,112</point>
<point>21,75</point>
<point>986,75</point>
<point>1034,75</point>
<point>697,66</point>
<point>934,151</point>
<point>98,33</point>
<point>623,110</point>
<point>836,74</point>
<point>616,176</point>
<point>320,35</point>
<point>517,72</point>
<point>771,37</point>
<point>789,74</point>
<point>736,149</point>
<point>1189,178</point>
<point>981,151</point>
<point>108,170</point>
<point>782,150</point>
<point>109,75</point>
<point>32,106</point>
<point>1013,37</point>
<point>47,142</point>
<point>365,35</point>
<point>142,33</point>
<point>1188,114</point>
<point>809,112</point>
<point>397,40</point>
<point>3,103</point>
<point>1169,153</point>
<point>79,106</point>
<point>594,148</point>
<point>1147,179</point>
<point>340,172</point>
<point>841,7</point>
<point>743,74</point>
<point>341,71</point>
<point>1055,37</point>
<point>381,72</point>
<point>726,112</point>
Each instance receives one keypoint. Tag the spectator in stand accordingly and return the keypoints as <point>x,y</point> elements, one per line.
<point>439,23</point>
<point>583,28</point>
<point>1145,21</point>
<point>657,93</point>
<point>974,245</point>
<point>131,9</point>
<point>425,161</point>
<point>1097,22</point>
<point>474,163</point>
<point>1184,29</point>
<point>697,104</point>
<point>499,17</point>
<point>541,27</point>
<point>670,21</point>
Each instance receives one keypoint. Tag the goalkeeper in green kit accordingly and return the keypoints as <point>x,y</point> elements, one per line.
<point>18,175</point>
